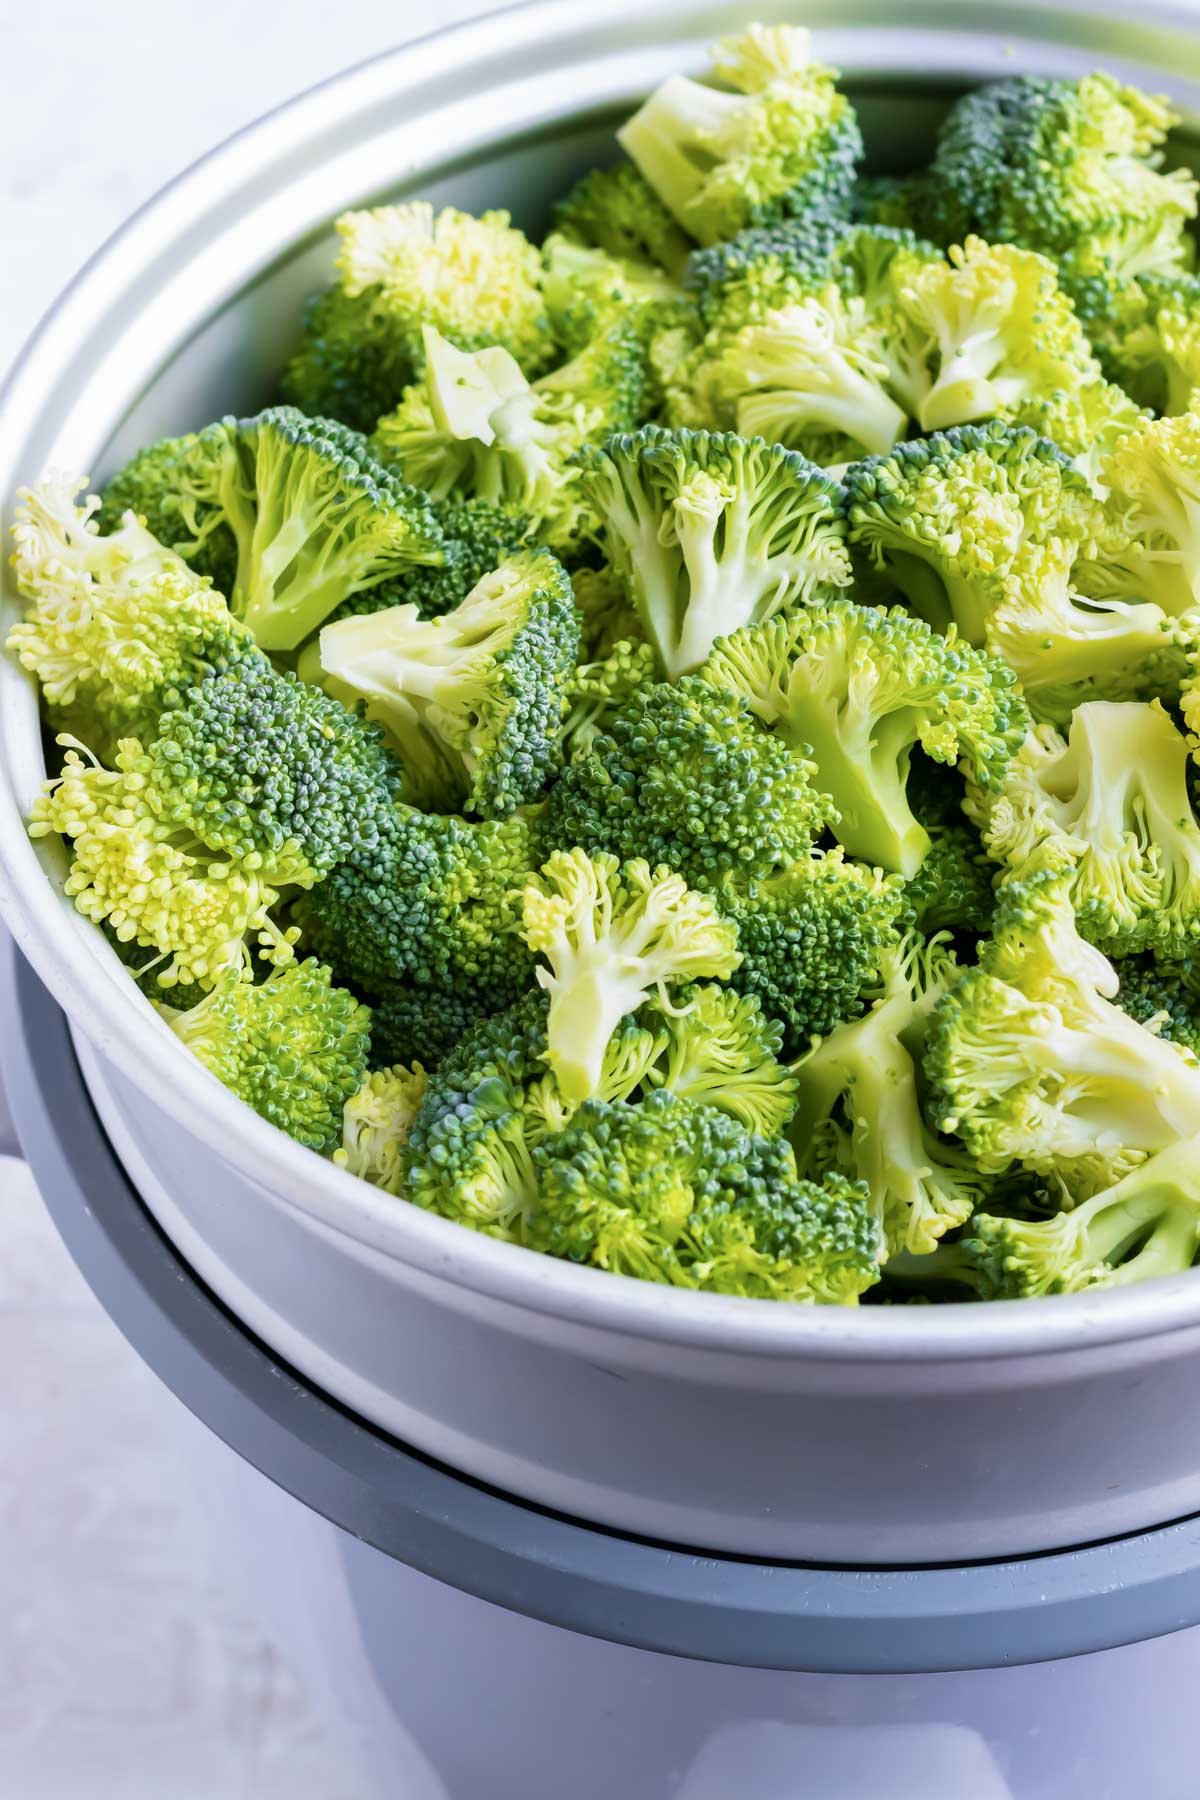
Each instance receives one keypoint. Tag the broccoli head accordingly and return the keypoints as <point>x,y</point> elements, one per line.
<point>781,142</point>
<point>612,934</point>
<point>710,532</point>
<point>1113,797</point>
<point>474,699</point>
<point>293,1047</point>
<point>720,1049</point>
<point>862,688</point>
<point>678,1193</point>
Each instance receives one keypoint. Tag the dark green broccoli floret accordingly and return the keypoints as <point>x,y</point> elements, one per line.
<point>862,688</point>
<point>678,1193</point>
<point>783,141</point>
<point>293,1047</point>
<point>685,775</point>
<point>710,532</point>
<point>314,516</point>
<point>748,275</point>
<point>598,691</point>
<point>811,939</point>
<point>352,364</point>
<point>474,700</point>
<point>1045,162</point>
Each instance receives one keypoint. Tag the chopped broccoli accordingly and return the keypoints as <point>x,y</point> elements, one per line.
<point>710,532</point>
<point>612,934</point>
<point>1146,1225</point>
<point>811,939</point>
<point>862,688</point>
<point>783,141</point>
<point>314,516</point>
<point>678,1193</point>
<point>412,1023</point>
<point>946,517</point>
<point>150,879</point>
<point>1147,335</point>
<point>859,1106</point>
<point>1086,424</point>
<point>747,276</point>
<point>1029,1060</point>
<point>119,626</point>
<point>1045,163</point>
<point>294,1047</point>
<point>477,281</point>
<point>720,1049</point>
<point>474,699</point>
<point>376,1121</point>
<point>1113,797</point>
<point>587,289</point>
<point>685,775</point>
<point>618,211</point>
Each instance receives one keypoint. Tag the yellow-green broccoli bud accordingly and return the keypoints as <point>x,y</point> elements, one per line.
<point>376,1120</point>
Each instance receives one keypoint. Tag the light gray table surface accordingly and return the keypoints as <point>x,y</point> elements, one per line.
<point>127,1671</point>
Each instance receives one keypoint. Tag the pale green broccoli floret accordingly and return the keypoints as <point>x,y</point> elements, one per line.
<point>946,517</point>
<point>783,140</point>
<point>1147,1225</point>
<point>1151,552</point>
<point>1085,423</point>
<point>376,1121</point>
<point>477,426</point>
<point>998,332</point>
<point>613,934</point>
<point>1029,1059</point>
<point>720,1049</point>
<point>1147,334</point>
<point>477,281</point>
<point>678,1193</point>
<point>859,1106</point>
<point>140,871</point>
<point>314,516</point>
<point>586,288</point>
<point>474,699</point>
<point>1067,648</point>
<point>862,688</point>
<point>118,625</point>
<point>1114,798</point>
<point>1047,163</point>
<point>710,532</point>
<point>294,1047</point>
<point>617,211</point>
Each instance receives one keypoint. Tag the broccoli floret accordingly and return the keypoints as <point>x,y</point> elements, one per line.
<point>149,487</point>
<point>434,909</point>
<point>352,364</point>
<point>618,211</point>
<point>1147,335</point>
<point>862,688</point>
<point>119,626</point>
<point>587,289</point>
<point>474,700</point>
<point>598,691</point>
<point>859,1106</point>
<point>710,532</point>
<point>1151,553</point>
<point>1029,1060</point>
<point>1145,1226</point>
<point>811,938</point>
<point>1113,797</point>
<point>376,1121</point>
<point>477,536</point>
<point>720,1049</point>
<point>476,425</point>
<point>998,332</point>
<point>148,877</point>
<point>947,516</point>
<point>677,1193</point>
<point>747,276</point>
<point>685,775</point>
<point>1045,163</point>
<point>606,615</point>
<point>1067,648</point>
<point>274,773</point>
<point>783,141</point>
<point>1085,423</point>
<point>315,518</point>
<point>421,1023</point>
<point>612,934</point>
<point>1162,996</point>
<point>954,888</point>
<point>294,1047</point>
<point>477,281</point>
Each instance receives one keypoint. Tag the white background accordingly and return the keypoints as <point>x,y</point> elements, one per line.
<point>127,1672</point>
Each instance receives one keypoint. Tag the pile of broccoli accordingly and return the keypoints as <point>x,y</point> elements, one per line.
<point>676,746</point>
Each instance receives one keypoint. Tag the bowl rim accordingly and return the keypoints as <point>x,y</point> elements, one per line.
<point>122,1027</point>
